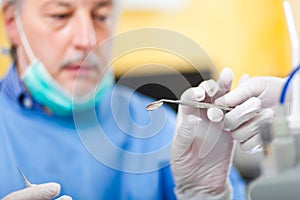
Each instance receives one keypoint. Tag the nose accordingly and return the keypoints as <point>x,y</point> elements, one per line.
<point>84,35</point>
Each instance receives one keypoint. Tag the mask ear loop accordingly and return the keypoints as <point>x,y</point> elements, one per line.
<point>22,60</point>
<point>23,37</point>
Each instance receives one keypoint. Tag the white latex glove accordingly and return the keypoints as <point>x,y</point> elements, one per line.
<point>201,152</point>
<point>252,100</point>
<point>266,88</point>
<point>46,191</point>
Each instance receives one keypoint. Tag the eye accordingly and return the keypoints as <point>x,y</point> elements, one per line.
<point>100,18</point>
<point>60,16</point>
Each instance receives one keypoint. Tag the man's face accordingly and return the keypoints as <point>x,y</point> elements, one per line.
<point>61,33</point>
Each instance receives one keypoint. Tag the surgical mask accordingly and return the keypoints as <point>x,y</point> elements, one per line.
<point>49,93</point>
<point>46,91</point>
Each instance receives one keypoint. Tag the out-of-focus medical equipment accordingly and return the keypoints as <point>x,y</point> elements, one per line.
<point>280,178</point>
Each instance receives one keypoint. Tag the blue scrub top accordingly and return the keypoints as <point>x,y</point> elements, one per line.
<point>116,151</point>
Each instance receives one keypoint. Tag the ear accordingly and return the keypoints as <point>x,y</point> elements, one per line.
<point>8,12</point>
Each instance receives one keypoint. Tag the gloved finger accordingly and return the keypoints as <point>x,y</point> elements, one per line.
<point>46,191</point>
<point>222,86</point>
<point>224,82</point>
<point>242,113</point>
<point>192,94</point>
<point>244,91</point>
<point>254,144</point>
<point>244,78</point>
<point>215,114</point>
<point>184,135</point>
<point>252,127</point>
<point>210,87</point>
<point>64,197</point>
<point>253,87</point>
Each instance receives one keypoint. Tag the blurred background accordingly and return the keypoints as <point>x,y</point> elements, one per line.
<point>249,36</point>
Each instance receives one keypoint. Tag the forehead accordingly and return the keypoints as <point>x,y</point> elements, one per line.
<point>70,3</point>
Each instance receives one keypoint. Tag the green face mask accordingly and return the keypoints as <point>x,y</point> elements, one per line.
<point>46,91</point>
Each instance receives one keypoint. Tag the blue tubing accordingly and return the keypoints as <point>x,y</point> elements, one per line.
<point>286,85</point>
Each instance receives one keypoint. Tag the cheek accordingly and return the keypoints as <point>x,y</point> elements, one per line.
<point>51,53</point>
<point>54,51</point>
<point>102,34</point>
<point>52,64</point>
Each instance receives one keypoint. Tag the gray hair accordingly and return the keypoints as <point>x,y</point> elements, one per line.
<point>3,2</point>
<point>8,1</point>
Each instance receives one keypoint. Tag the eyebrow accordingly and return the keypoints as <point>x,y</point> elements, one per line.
<point>68,4</point>
<point>103,3</point>
<point>58,3</point>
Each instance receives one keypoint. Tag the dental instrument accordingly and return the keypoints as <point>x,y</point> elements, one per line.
<point>27,183</point>
<point>157,104</point>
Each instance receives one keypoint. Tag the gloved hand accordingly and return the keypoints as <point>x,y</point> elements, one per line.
<point>252,100</point>
<point>201,152</point>
<point>45,191</point>
<point>266,88</point>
